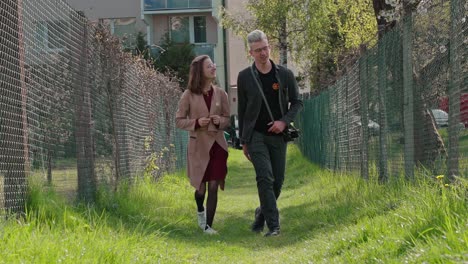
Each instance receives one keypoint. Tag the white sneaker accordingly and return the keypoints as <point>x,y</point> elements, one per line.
<point>201,220</point>
<point>210,231</point>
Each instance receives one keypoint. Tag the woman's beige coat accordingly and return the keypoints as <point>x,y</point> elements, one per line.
<point>191,107</point>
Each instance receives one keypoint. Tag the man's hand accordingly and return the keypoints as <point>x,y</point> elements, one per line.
<point>277,127</point>
<point>203,121</point>
<point>246,152</point>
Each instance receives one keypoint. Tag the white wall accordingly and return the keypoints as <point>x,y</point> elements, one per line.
<point>95,9</point>
<point>237,55</point>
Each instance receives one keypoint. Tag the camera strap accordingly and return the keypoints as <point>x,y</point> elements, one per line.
<point>260,89</point>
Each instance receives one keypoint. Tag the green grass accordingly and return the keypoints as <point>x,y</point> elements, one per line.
<point>325,218</point>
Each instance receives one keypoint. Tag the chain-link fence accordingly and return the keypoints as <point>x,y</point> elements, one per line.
<point>403,106</point>
<point>74,109</point>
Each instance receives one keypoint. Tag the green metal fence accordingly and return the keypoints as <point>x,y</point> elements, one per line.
<point>76,111</point>
<point>403,106</point>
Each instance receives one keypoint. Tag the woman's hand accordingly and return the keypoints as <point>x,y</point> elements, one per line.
<point>216,119</point>
<point>204,121</point>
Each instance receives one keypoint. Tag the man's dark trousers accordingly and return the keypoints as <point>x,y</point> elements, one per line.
<point>268,155</point>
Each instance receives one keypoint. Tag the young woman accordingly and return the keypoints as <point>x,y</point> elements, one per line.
<point>204,112</point>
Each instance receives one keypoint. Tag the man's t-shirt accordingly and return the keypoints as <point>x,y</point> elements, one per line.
<point>271,90</point>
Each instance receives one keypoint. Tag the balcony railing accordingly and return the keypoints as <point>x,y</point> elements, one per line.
<point>160,5</point>
<point>204,49</point>
<point>198,49</point>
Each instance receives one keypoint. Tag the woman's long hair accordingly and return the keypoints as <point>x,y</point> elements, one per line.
<point>196,79</point>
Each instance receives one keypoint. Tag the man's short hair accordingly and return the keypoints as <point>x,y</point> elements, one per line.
<point>255,36</point>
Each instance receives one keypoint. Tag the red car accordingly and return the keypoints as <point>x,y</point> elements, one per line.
<point>444,105</point>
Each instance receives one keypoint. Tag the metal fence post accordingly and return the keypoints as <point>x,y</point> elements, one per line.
<point>87,183</point>
<point>408,105</point>
<point>382,87</point>
<point>13,140</point>
<point>454,90</point>
<point>364,104</point>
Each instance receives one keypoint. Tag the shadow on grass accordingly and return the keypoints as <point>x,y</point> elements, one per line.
<point>177,222</point>
<point>299,223</point>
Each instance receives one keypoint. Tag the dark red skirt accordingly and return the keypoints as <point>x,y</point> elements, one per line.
<point>217,166</point>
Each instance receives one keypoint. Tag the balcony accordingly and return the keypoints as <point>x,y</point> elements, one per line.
<point>198,49</point>
<point>162,5</point>
<point>204,49</point>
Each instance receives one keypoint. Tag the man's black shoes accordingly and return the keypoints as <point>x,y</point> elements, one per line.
<point>259,223</point>
<point>274,232</point>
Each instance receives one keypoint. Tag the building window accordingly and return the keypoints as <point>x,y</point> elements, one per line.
<point>125,29</point>
<point>155,4</point>
<point>199,23</point>
<point>185,29</point>
<point>175,4</point>
<point>180,32</point>
<point>51,35</point>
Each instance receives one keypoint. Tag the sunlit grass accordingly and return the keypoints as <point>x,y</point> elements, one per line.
<point>325,218</point>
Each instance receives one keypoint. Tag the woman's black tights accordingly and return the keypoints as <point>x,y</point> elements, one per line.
<point>199,198</point>
<point>211,202</point>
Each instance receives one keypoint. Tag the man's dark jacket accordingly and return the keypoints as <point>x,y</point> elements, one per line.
<point>250,99</point>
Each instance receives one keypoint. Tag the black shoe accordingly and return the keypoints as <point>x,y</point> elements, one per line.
<point>274,232</point>
<point>259,223</point>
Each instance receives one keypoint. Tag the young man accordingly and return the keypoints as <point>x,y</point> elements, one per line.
<point>261,137</point>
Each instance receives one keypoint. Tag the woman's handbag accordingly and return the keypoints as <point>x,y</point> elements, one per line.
<point>290,132</point>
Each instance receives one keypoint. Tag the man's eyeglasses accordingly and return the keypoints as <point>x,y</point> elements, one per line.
<point>261,49</point>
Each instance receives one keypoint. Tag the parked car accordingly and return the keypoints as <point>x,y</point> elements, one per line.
<point>440,117</point>
<point>233,131</point>
<point>444,106</point>
<point>373,127</point>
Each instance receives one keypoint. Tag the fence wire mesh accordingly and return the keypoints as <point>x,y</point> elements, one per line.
<point>403,106</point>
<point>74,109</point>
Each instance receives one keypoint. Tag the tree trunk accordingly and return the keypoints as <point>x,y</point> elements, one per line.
<point>382,24</point>
<point>427,141</point>
<point>283,44</point>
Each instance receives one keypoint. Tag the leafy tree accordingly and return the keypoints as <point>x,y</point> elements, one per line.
<point>356,23</point>
<point>171,58</point>
<point>175,59</point>
<point>314,32</point>
<point>271,16</point>
<point>335,29</point>
<point>142,46</point>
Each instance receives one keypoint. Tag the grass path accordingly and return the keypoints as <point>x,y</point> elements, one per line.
<point>235,242</point>
<point>325,218</point>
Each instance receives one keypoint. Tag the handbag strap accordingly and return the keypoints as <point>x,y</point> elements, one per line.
<point>261,92</point>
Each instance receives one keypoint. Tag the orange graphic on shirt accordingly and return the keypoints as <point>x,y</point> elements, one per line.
<point>275,86</point>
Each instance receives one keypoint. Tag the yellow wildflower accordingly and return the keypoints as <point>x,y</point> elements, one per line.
<point>439,177</point>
